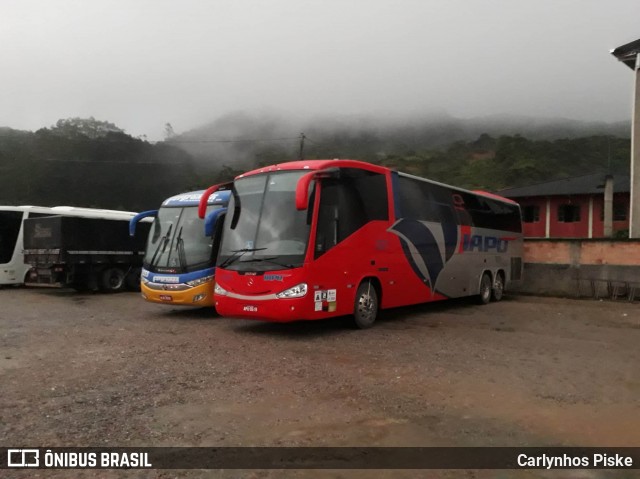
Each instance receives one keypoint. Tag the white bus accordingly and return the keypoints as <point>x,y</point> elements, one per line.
<point>13,269</point>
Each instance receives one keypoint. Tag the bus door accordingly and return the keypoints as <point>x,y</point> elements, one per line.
<point>344,247</point>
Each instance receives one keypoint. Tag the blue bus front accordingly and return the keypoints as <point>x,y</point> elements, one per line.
<point>180,257</point>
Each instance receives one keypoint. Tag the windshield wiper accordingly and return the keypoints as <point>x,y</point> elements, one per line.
<point>237,253</point>
<point>269,260</point>
<point>180,248</point>
<point>162,243</point>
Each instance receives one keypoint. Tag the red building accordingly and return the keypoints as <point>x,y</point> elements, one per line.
<point>572,207</point>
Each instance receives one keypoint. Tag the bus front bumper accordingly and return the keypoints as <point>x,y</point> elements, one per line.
<point>200,296</point>
<point>274,310</point>
<point>281,310</point>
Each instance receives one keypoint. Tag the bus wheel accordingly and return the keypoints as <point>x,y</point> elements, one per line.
<point>112,280</point>
<point>485,289</point>
<point>498,287</point>
<point>365,308</point>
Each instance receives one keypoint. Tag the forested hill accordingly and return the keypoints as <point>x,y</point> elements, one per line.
<point>92,164</point>
<point>495,163</point>
<point>85,162</point>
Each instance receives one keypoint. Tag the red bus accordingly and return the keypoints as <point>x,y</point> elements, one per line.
<point>315,239</point>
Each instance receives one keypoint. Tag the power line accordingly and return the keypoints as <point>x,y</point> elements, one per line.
<point>237,140</point>
<point>168,141</point>
<point>98,162</point>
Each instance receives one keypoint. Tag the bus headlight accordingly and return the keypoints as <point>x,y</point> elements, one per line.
<point>220,290</point>
<point>298,291</point>
<point>199,281</point>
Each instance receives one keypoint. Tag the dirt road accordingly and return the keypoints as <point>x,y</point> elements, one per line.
<point>104,370</point>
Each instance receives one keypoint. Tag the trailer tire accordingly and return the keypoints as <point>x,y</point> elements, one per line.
<point>112,280</point>
<point>365,307</point>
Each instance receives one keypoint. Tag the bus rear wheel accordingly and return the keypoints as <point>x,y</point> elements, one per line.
<point>485,289</point>
<point>497,291</point>
<point>365,308</point>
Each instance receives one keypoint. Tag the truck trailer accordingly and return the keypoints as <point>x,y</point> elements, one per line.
<point>87,254</point>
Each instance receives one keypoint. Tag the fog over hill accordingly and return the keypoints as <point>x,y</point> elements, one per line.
<point>243,139</point>
<point>56,165</point>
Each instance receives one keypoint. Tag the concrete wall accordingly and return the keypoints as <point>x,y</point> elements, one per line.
<point>580,267</point>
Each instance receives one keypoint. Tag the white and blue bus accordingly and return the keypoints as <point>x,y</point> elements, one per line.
<point>180,256</point>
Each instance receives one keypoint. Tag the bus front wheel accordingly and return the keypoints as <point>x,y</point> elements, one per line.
<point>485,289</point>
<point>365,308</point>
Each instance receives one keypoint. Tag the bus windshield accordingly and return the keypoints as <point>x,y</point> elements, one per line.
<point>263,230</point>
<point>177,240</point>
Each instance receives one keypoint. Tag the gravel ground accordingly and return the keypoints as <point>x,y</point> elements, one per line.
<point>113,370</point>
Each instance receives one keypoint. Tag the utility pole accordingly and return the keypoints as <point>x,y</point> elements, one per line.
<point>629,54</point>
<point>634,220</point>
<point>302,137</point>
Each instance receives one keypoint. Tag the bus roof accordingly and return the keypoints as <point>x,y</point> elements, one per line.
<point>192,198</point>
<point>323,164</point>
<point>495,197</point>
<point>72,211</point>
<point>316,165</point>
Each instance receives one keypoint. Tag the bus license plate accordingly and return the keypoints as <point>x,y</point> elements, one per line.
<point>166,297</point>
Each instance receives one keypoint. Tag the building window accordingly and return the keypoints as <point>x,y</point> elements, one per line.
<point>531,214</point>
<point>619,211</point>
<point>569,213</point>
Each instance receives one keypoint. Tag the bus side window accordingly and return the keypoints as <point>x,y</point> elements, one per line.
<point>492,214</point>
<point>423,201</point>
<point>464,217</point>
<point>347,204</point>
<point>10,223</point>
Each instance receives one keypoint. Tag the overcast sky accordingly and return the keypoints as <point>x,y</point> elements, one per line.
<point>143,63</point>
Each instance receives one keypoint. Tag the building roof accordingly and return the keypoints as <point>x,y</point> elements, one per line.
<point>578,185</point>
<point>627,53</point>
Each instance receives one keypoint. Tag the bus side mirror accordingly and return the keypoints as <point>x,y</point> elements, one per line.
<point>211,220</point>
<point>204,199</point>
<point>134,221</point>
<point>302,191</point>
<point>302,188</point>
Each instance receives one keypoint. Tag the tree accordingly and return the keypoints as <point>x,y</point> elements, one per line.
<point>168,131</point>
<point>89,127</point>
